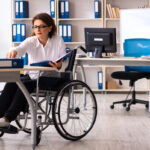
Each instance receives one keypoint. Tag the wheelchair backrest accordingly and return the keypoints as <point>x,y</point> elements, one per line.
<point>71,60</point>
<point>137,47</point>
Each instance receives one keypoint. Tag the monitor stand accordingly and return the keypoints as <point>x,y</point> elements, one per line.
<point>98,52</point>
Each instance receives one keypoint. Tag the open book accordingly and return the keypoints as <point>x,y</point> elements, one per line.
<point>46,62</point>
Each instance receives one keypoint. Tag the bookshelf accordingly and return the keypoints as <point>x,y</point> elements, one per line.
<point>81,16</point>
<point>35,7</point>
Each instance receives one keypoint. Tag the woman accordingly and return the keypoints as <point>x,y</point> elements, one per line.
<point>43,45</point>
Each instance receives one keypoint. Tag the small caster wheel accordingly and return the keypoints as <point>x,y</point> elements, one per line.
<point>128,108</point>
<point>124,104</point>
<point>112,106</point>
<point>147,106</point>
<point>38,135</point>
<point>1,133</point>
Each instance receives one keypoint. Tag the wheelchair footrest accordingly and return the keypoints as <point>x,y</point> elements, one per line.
<point>10,129</point>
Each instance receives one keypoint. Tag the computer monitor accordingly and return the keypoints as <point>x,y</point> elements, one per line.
<point>100,40</point>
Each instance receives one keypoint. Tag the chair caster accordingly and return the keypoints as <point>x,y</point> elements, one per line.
<point>112,106</point>
<point>124,104</point>
<point>128,108</point>
<point>38,135</point>
<point>1,133</point>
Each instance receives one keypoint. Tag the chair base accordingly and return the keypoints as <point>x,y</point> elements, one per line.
<point>130,102</point>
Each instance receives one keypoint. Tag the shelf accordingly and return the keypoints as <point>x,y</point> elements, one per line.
<point>115,90</point>
<point>81,19</point>
<point>112,19</point>
<point>16,42</point>
<point>22,19</point>
<point>74,43</point>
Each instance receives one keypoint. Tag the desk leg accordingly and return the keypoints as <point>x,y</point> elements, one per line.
<point>33,117</point>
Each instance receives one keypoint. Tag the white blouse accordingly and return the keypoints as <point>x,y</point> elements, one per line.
<point>53,49</point>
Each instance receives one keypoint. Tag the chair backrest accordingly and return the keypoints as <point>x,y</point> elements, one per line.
<point>137,47</point>
<point>71,60</point>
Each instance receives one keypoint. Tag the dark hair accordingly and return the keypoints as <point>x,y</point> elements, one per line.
<point>48,20</point>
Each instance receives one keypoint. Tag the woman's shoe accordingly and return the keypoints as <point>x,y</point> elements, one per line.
<point>4,123</point>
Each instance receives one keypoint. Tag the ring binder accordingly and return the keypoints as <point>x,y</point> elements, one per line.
<point>52,8</point>
<point>100,80</point>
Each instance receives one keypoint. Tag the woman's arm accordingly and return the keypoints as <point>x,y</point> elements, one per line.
<point>20,50</point>
<point>11,54</point>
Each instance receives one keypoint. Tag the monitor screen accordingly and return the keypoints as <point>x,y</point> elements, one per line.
<point>100,40</point>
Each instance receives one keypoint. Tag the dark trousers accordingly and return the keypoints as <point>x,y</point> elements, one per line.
<point>12,100</point>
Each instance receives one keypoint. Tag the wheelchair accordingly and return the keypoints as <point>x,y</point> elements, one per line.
<point>68,104</point>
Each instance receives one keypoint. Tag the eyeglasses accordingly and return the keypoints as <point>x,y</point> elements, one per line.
<point>39,27</point>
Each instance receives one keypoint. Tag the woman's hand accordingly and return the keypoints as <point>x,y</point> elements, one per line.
<point>11,54</point>
<point>57,65</point>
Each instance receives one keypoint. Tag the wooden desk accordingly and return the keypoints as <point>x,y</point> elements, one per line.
<point>115,61</point>
<point>13,75</point>
<point>129,61</point>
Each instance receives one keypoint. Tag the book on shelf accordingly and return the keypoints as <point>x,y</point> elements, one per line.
<point>97,8</point>
<point>65,31</point>
<point>45,63</point>
<point>52,8</point>
<point>113,12</point>
<point>109,11</point>
<point>100,80</point>
<point>118,12</point>
<point>18,32</point>
<point>64,9</point>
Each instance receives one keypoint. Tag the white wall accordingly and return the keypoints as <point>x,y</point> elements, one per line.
<point>134,23</point>
<point>5,27</point>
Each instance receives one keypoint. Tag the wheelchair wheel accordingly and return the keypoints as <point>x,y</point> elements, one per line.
<point>75,110</point>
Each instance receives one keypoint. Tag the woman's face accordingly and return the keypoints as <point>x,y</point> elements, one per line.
<point>41,29</point>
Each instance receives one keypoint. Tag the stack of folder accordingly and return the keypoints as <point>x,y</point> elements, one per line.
<point>63,8</point>
<point>18,32</point>
<point>65,31</point>
<point>21,9</point>
<point>52,8</point>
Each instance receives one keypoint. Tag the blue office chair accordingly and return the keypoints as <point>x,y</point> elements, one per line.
<point>133,48</point>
